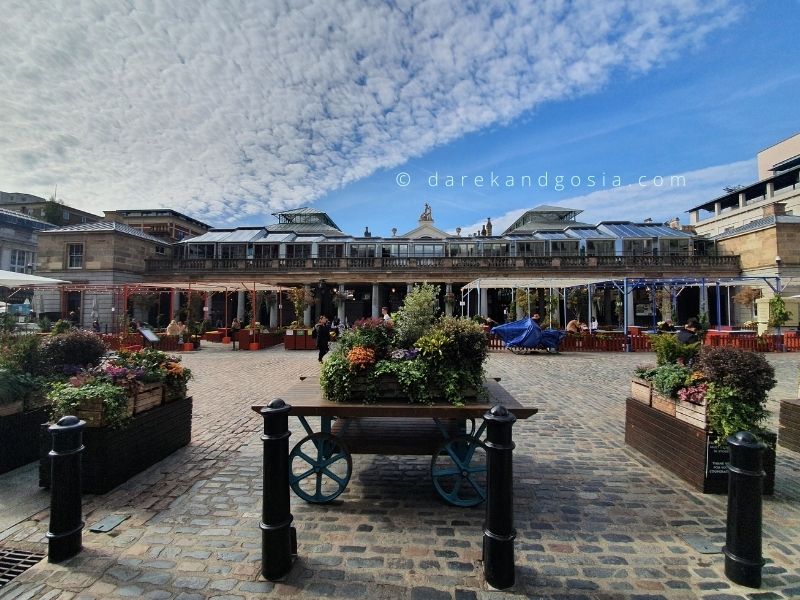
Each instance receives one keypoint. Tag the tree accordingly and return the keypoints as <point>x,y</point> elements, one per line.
<point>54,211</point>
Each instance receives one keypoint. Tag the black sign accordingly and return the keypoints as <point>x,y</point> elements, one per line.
<point>717,459</point>
<point>149,335</point>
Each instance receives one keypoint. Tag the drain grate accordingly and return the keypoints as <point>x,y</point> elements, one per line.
<point>15,562</point>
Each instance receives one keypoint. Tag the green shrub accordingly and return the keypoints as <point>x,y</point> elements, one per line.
<point>416,315</point>
<point>45,324</point>
<point>60,326</point>
<point>669,378</point>
<point>669,350</point>
<point>77,347</point>
<point>22,354</point>
<point>748,373</point>
<point>8,322</point>
<point>729,413</point>
<point>370,333</point>
<point>15,385</point>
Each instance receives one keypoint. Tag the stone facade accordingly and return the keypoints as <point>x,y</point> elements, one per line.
<point>18,241</point>
<point>162,223</point>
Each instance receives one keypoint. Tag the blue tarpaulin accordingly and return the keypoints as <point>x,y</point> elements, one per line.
<point>527,334</point>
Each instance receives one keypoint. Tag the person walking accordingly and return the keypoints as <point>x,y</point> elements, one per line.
<point>235,327</point>
<point>323,334</point>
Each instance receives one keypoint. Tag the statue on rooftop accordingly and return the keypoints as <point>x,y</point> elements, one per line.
<point>426,214</point>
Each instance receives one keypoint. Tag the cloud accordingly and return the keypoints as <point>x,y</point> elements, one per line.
<point>223,109</point>
<point>636,202</point>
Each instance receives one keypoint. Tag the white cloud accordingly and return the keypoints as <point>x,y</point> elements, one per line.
<point>637,202</point>
<point>226,108</point>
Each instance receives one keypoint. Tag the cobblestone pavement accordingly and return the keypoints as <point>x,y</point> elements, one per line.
<point>595,519</point>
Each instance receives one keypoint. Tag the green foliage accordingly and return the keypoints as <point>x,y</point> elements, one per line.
<point>15,385</point>
<point>45,324</point>
<point>778,315</point>
<point>526,300</point>
<point>669,350</point>
<point>412,375</point>
<point>370,333</point>
<point>669,378</point>
<point>60,326</point>
<point>21,354</point>
<point>152,361</point>
<point>77,347</point>
<point>728,413</point>
<point>646,372</point>
<point>53,211</point>
<point>66,399</point>
<point>747,372</point>
<point>7,322</point>
<point>336,379</point>
<point>416,315</point>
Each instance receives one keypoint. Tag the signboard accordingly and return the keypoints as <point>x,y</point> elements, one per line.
<point>717,458</point>
<point>644,310</point>
<point>149,335</point>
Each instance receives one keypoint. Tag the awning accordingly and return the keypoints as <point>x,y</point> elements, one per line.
<point>18,280</point>
<point>529,282</point>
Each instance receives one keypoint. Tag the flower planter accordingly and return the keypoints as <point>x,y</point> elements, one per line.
<point>663,403</point>
<point>253,346</point>
<point>641,390</point>
<point>112,456</point>
<point>18,438</point>
<point>299,339</point>
<point>789,423</point>
<point>388,388</point>
<point>188,346</point>
<point>684,449</point>
<point>92,411</point>
<point>691,413</point>
<point>150,396</point>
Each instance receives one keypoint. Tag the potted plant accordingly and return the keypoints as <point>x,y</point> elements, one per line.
<point>694,409</point>
<point>419,358</point>
<point>297,336</point>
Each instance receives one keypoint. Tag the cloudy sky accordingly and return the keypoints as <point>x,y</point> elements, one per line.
<point>230,110</point>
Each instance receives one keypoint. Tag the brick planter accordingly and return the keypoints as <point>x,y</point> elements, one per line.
<point>112,456</point>
<point>683,449</point>
<point>789,422</point>
<point>19,438</point>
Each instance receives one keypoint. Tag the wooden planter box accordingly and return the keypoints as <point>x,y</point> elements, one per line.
<point>150,396</point>
<point>641,391</point>
<point>19,438</point>
<point>112,456</point>
<point>388,388</point>
<point>789,423</point>
<point>663,403</point>
<point>12,408</point>
<point>683,449</point>
<point>299,339</point>
<point>691,413</point>
<point>93,413</point>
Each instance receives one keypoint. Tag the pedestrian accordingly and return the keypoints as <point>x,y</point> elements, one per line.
<point>96,326</point>
<point>235,328</point>
<point>323,335</point>
<point>385,314</point>
<point>688,335</point>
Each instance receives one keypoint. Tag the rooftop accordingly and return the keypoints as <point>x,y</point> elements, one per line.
<point>757,224</point>
<point>157,212</point>
<point>106,226</point>
<point>12,217</point>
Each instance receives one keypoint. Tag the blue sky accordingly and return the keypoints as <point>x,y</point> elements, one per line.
<point>231,112</point>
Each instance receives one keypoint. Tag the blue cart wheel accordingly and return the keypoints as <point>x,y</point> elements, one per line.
<point>319,468</point>
<point>458,470</point>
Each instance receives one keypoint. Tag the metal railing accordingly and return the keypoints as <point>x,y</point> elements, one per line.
<point>492,264</point>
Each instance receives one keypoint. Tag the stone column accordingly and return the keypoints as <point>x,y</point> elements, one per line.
<point>240,296</point>
<point>307,311</point>
<point>742,200</point>
<point>176,303</point>
<point>376,301</point>
<point>448,308</point>
<point>273,311</point>
<point>484,302</point>
<point>340,308</point>
<point>207,311</point>
<point>770,192</point>
<point>631,313</point>
<point>409,288</point>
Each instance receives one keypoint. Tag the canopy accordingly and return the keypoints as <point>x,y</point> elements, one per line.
<point>529,282</point>
<point>17,280</point>
<point>211,286</point>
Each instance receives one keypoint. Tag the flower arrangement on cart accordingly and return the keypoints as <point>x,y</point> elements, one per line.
<point>417,356</point>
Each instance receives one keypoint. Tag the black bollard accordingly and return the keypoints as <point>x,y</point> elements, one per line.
<point>743,560</point>
<point>498,530</point>
<point>278,537</point>
<point>66,524</point>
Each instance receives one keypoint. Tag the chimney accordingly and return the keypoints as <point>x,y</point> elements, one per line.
<point>366,232</point>
<point>488,226</point>
<point>675,223</point>
<point>458,231</point>
<point>483,231</point>
<point>777,209</point>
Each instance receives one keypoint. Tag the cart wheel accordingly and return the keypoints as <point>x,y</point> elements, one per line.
<point>319,468</point>
<point>458,470</point>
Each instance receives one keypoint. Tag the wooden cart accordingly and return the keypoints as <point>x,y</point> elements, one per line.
<point>320,464</point>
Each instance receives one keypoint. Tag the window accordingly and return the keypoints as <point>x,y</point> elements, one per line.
<point>65,216</point>
<point>19,260</point>
<point>75,256</point>
<point>563,248</point>
<point>266,251</point>
<point>160,250</point>
<point>330,250</point>
<point>428,250</point>
<point>362,250</point>
<point>394,250</point>
<point>298,250</point>
<point>530,248</point>
<point>233,250</point>
<point>600,247</point>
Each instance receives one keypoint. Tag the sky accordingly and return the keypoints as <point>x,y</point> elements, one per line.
<point>231,110</point>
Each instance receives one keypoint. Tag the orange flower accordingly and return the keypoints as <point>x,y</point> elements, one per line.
<point>361,357</point>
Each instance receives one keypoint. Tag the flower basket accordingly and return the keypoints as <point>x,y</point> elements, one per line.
<point>692,413</point>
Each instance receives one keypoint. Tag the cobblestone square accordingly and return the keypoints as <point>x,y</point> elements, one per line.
<point>595,519</point>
